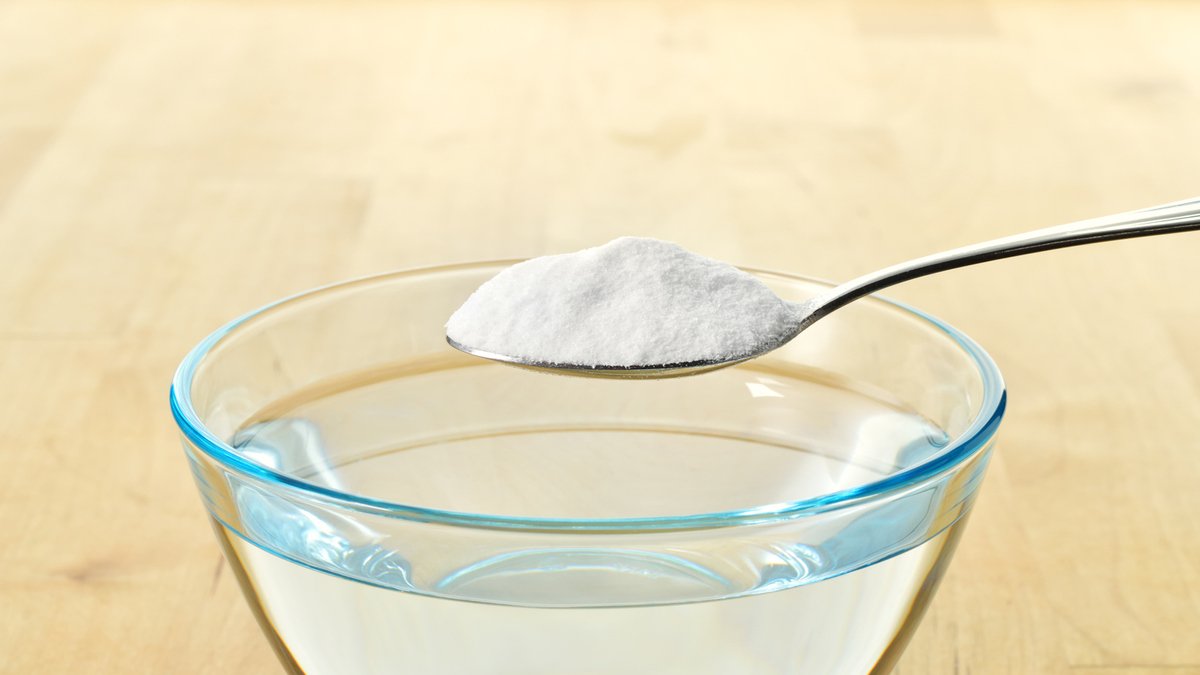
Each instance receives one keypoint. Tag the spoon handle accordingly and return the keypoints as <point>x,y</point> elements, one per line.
<point>1178,216</point>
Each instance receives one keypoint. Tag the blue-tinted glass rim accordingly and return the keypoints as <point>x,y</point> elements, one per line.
<point>975,438</point>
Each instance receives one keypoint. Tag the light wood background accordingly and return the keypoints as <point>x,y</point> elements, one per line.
<point>165,166</point>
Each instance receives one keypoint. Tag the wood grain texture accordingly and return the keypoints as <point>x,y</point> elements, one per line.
<point>165,166</point>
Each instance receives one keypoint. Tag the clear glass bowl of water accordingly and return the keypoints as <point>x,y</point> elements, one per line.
<point>391,505</point>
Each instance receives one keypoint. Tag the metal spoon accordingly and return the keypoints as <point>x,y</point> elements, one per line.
<point>1174,217</point>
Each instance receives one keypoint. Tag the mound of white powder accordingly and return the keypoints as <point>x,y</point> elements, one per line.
<point>633,301</point>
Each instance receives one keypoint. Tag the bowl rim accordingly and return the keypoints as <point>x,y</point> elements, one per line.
<point>973,439</point>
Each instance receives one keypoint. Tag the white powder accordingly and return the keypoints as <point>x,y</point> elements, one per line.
<point>633,301</point>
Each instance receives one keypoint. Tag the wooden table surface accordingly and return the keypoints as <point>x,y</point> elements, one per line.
<point>165,166</point>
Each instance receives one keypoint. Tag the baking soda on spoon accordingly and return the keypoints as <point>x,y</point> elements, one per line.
<point>631,302</point>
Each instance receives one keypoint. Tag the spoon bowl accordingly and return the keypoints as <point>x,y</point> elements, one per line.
<point>650,372</point>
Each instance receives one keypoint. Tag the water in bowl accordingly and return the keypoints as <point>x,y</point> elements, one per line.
<point>469,436</point>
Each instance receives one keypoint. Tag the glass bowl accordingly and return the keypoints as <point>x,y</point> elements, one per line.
<point>390,504</point>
